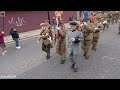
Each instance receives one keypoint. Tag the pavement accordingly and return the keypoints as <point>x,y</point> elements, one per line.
<point>29,62</point>
<point>28,35</point>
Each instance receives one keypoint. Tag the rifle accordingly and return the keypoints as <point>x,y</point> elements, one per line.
<point>39,39</point>
<point>41,35</point>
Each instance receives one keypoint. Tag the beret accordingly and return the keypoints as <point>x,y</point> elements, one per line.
<point>42,24</point>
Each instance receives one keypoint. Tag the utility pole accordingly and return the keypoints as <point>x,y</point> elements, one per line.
<point>2,14</point>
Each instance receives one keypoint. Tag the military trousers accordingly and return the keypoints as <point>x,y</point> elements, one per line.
<point>94,42</point>
<point>86,46</point>
<point>108,23</point>
<point>112,20</point>
<point>104,26</point>
<point>61,50</point>
<point>116,19</point>
<point>62,55</point>
<point>46,48</point>
<point>74,59</point>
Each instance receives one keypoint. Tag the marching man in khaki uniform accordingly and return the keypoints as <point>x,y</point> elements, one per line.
<point>49,27</point>
<point>61,42</point>
<point>96,35</point>
<point>87,29</point>
<point>46,39</point>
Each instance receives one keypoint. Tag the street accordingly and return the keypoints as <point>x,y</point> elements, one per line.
<point>30,61</point>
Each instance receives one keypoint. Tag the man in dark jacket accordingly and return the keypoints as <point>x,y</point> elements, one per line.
<point>15,37</point>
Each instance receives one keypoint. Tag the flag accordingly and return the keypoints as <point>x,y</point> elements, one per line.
<point>85,18</point>
<point>85,15</point>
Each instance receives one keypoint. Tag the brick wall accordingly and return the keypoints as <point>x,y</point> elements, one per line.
<point>28,20</point>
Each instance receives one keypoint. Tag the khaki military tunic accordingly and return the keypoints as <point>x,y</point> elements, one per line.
<point>45,40</point>
<point>96,35</point>
<point>88,37</point>
<point>61,44</point>
<point>45,35</point>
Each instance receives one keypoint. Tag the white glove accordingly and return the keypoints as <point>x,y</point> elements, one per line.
<point>85,23</point>
<point>104,22</point>
<point>96,28</point>
<point>73,39</point>
<point>2,32</point>
<point>81,25</point>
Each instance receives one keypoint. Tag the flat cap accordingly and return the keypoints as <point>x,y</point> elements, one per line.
<point>73,23</point>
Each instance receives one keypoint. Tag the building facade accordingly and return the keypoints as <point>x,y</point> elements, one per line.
<point>25,21</point>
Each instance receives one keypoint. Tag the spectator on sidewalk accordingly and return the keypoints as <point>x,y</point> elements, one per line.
<point>15,37</point>
<point>54,23</point>
<point>2,43</point>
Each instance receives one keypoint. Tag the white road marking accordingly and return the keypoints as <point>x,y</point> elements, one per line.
<point>108,57</point>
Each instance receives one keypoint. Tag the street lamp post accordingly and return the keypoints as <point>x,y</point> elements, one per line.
<point>48,16</point>
<point>2,14</point>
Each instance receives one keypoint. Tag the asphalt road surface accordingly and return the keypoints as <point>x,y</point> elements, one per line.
<point>30,63</point>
